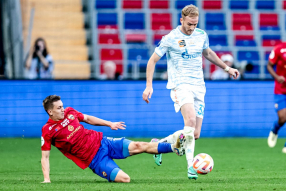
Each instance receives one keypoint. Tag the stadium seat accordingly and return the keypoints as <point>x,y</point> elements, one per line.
<point>134,21</point>
<point>115,55</point>
<point>135,38</point>
<point>268,21</point>
<point>241,21</point>
<point>212,5</point>
<point>284,4</point>
<point>262,4</point>
<point>218,40</point>
<point>248,55</point>
<point>180,4</point>
<point>161,21</point>
<point>158,4</point>
<point>271,40</point>
<point>105,4</point>
<point>107,20</point>
<point>215,21</point>
<point>131,4</point>
<point>244,40</point>
<point>108,39</point>
<point>238,4</point>
<point>141,56</point>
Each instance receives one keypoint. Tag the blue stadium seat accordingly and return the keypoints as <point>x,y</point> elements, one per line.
<point>106,19</point>
<point>134,21</point>
<point>138,54</point>
<point>248,55</point>
<point>245,43</point>
<point>271,37</point>
<point>236,4</point>
<point>218,40</point>
<point>262,4</point>
<point>215,21</point>
<point>105,4</point>
<point>180,4</point>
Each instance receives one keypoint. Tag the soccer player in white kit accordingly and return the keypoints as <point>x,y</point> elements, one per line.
<point>184,47</point>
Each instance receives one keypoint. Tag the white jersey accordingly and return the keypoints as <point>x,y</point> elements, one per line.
<point>184,56</point>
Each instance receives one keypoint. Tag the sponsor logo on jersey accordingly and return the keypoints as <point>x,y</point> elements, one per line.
<point>50,128</point>
<point>65,122</point>
<point>70,116</point>
<point>283,50</point>
<point>78,128</point>
<point>182,43</point>
<point>186,55</point>
<point>104,174</point>
<point>70,128</point>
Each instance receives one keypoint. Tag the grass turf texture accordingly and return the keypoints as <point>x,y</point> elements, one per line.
<point>239,164</point>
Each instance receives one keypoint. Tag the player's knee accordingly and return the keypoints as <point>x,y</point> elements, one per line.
<point>282,120</point>
<point>190,121</point>
<point>125,179</point>
<point>140,146</point>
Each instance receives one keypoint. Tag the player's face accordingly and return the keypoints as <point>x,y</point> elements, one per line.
<point>57,113</point>
<point>189,24</point>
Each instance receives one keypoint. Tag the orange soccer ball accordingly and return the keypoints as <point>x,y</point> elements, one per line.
<point>203,163</point>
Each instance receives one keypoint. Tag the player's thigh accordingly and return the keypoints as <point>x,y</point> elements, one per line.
<point>188,112</point>
<point>122,177</point>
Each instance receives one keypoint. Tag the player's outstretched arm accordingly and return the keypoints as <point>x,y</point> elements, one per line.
<point>149,77</point>
<point>212,57</point>
<point>100,122</point>
<point>46,166</point>
<point>280,79</point>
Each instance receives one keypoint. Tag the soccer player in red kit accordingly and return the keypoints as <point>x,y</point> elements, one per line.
<point>89,148</point>
<point>278,57</point>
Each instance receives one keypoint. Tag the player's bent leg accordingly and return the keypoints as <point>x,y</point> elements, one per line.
<point>120,176</point>
<point>273,135</point>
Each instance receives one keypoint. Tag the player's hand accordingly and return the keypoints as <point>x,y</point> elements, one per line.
<point>233,73</point>
<point>46,181</point>
<point>118,125</point>
<point>147,94</point>
<point>280,79</point>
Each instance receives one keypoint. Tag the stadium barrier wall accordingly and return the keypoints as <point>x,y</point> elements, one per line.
<point>233,108</point>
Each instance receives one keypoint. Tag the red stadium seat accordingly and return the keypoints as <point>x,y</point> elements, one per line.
<point>284,5</point>
<point>271,43</point>
<point>268,19</point>
<point>158,4</point>
<point>108,39</point>
<point>141,38</point>
<point>241,21</point>
<point>214,5</point>
<point>244,37</point>
<point>161,21</point>
<point>115,55</point>
<point>132,4</point>
<point>107,27</point>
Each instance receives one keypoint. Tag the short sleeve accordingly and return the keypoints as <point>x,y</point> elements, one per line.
<point>162,46</point>
<point>80,116</point>
<point>45,142</point>
<point>274,55</point>
<point>206,42</point>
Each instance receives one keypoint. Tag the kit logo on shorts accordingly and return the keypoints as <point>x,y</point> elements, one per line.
<point>70,116</point>
<point>276,105</point>
<point>70,128</point>
<point>104,174</point>
<point>182,43</point>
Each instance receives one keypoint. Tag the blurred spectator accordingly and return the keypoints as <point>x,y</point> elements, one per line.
<point>220,74</point>
<point>39,64</point>
<point>109,71</point>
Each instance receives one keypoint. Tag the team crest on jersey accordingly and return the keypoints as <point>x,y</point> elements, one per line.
<point>104,174</point>
<point>70,128</point>
<point>182,43</point>
<point>70,116</point>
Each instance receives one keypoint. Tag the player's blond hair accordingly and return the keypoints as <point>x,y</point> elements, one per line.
<point>190,10</point>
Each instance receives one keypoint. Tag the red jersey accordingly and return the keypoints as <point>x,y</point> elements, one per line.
<point>278,57</point>
<point>71,138</point>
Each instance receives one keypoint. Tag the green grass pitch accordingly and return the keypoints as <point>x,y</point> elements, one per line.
<point>239,164</point>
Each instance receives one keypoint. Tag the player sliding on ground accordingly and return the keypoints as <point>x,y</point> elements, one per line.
<point>184,47</point>
<point>88,148</point>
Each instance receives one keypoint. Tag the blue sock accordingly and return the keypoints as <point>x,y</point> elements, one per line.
<point>276,127</point>
<point>164,148</point>
<point>285,144</point>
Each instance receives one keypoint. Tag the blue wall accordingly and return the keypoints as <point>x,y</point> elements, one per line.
<point>233,108</point>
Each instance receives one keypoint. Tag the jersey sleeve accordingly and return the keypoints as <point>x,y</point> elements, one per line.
<point>274,55</point>
<point>162,46</point>
<point>79,115</point>
<point>206,42</point>
<point>46,141</point>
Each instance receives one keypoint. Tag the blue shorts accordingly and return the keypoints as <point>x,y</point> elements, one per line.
<point>280,101</point>
<point>111,148</point>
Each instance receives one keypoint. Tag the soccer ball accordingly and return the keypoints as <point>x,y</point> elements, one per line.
<point>203,163</point>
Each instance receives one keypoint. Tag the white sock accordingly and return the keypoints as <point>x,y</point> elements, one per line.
<point>172,138</point>
<point>190,144</point>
